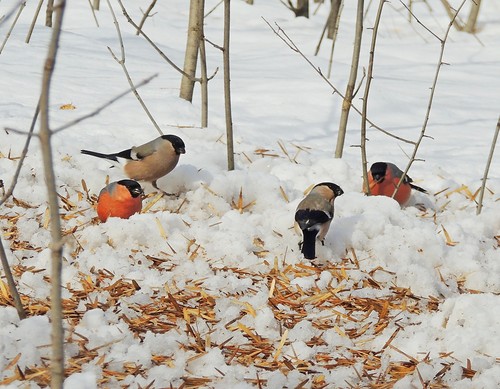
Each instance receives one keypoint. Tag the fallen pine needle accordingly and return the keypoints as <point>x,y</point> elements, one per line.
<point>280,346</point>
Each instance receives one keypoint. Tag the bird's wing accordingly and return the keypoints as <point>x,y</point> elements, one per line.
<point>308,218</point>
<point>142,151</point>
<point>397,172</point>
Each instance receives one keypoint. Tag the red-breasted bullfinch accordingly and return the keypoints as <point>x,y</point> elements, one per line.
<point>383,178</point>
<point>119,199</point>
<point>150,161</point>
<point>314,215</point>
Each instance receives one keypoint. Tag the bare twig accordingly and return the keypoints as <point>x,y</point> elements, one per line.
<point>336,12</point>
<point>453,15</point>
<point>11,12</point>
<point>33,22</point>
<point>104,106</point>
<point>431,96</point>
<point>364,161</point>
<point>286,39</point>
<point>145,16</point>
<point>419,22</point>
<point>88,115</point>
<point>162,54</point>
<point>5,264</point>
<point>57,360</point>
<point>93,13</point>
<point>323,33</point>
<point>121,61</point>
<point>204,83</point>
<point>11,283</point>
<point>349,93</point>
<point>23,156</point>
<point>487,168</point>
<point>21,7</point>
<point>288,5</point>
<point>214,8</point>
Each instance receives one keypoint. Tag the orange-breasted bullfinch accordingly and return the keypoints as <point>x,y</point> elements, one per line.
<point>119,199</point>
<point>150,161</point>
<point>383,179</point>
<point>314,215</point>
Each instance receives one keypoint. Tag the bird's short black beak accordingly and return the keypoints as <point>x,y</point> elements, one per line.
<point>181,150</point>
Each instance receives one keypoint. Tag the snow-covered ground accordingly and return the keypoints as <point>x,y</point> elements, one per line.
<point>209,289</point>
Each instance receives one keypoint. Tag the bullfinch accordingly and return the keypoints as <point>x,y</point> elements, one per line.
<point>119,199</point>
<point>383,178</point>
<point>150,161</point>
<point>314,215</point>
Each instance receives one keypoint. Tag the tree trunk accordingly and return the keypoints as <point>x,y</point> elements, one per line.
<point>56,244</point>
<point>48,13</point>
<point>192,47</point>
<point>333,18</point>
<point>302,8</point>
<point>470,26</point>
<point>227,87</point>
<point>349,94</point>
<point>335,21</point>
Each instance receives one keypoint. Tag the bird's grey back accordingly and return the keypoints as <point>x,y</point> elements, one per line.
<point>146,149</point>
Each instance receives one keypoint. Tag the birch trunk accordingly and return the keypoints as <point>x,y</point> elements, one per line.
<point>192,47</point>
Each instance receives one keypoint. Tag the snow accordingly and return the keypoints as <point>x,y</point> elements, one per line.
<point>204,290</point>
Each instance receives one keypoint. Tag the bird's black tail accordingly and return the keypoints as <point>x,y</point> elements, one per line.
<point>309,244</point>
<point>418,188</point>
<point>111,157</point>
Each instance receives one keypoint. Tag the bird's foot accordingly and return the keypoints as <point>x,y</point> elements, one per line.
<point>176,195</point>
<point>421,207</point>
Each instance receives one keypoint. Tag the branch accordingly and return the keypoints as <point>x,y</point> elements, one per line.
<point>431,96</point>
<point>453,16</point>
<point>11,283</point>
<point>129,19</point>
<point>84,117</point>
<point>93,13</point>
<point>8,15</point>
<point>33,22</point>
<point>487,168</point>
<point>364,161</point>
<point>286,39</point>
<point>419,22</point>
<point>145,16</point>
<point>104,106</point>
<point>214,8</point>
<point>125,70</point>
<point>21,7</point>
<point>22,158</point>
